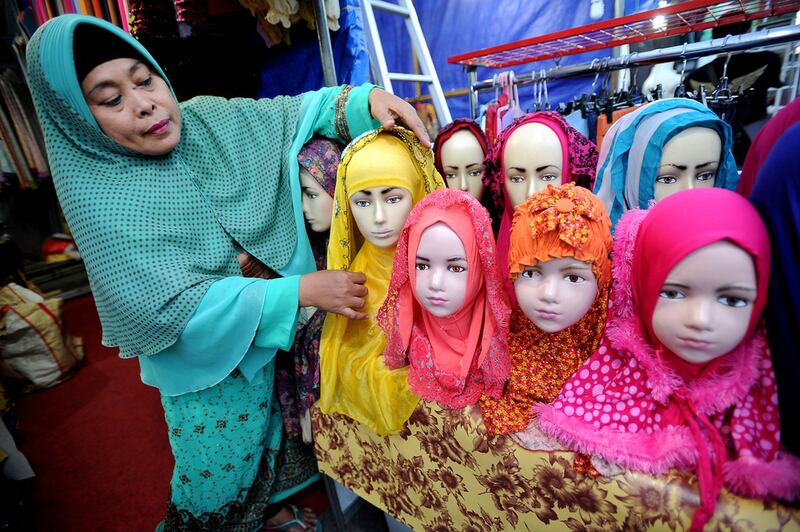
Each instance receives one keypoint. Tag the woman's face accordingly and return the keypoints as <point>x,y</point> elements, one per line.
<point>317,203</point>
<point>705,304</point>
<point>133,106</point>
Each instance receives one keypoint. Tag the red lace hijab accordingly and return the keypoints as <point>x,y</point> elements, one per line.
<point>455,359</point>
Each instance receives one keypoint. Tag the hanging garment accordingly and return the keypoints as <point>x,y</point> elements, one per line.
<point>354,378</point>
<point>603,125</point>
<point>631,152</point>
<point>775,196</point>
<point>558,222</point>
<point>636,403</point>
<point>454,359</point>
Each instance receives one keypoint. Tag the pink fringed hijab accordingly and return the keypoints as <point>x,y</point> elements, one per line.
<point>452,360</point>
<point>580,165</point>
<point>637,404</point>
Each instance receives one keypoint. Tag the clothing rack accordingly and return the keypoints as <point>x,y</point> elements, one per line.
<point>726,44</point>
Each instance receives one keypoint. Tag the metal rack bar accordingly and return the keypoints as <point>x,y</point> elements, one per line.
<point>663,55</point>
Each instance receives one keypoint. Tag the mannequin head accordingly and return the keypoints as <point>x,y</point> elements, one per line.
<point>556,293</point>
<point>559,255</point>
<point>441,276</point>
<point>532,159</point>
<point>319,162</point>
<point>461,159</point>
<point>689,160</point>
<point>706,302</point>
<point>380,212</point>
<point>317,203</point>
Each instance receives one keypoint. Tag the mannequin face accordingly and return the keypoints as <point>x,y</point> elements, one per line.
<point>532,159</point>
<point>441,277</point>
<point>705,304</point>
<point>557,293</point>
<point>133,106</point>
<point>380,213</point>
<point>317,204</point>
<point>689,160</point>
<point>462,162</point>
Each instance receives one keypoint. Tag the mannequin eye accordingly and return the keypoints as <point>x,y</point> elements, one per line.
<point>391,200</point>
<point>667,179</point>
<point>549,177</point>
<point>531,274</point>
<point>362,203</point>
<point>572,278</point>
<point>671,294</point>
<point>455,268</point>
<point>517,178</point>
<point>706,176</point>
<point>311,195</point>
<point>475,173</point>
<point>449,176</point>
<point>732,301</point>
<point>421,266</point>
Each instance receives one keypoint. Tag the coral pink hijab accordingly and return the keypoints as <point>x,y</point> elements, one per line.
<point>452,360</point>
<point>637,404</point>
<point>579,166</point>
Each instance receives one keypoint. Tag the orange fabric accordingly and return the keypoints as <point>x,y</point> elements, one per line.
<point>565,221</point>
<point>603,125</point>
<point>456,337</point>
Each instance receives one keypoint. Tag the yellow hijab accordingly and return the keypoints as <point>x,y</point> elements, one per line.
<point>354,379</point>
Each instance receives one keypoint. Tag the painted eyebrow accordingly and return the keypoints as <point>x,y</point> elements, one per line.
<point>107,83</point>
<point>365,192</point>
<point>675,285</point>
<point>539,169</point>
<point>457,258</point>
<point>678,166</point>
<point>707,164</point>
<point>576,266</point>
<point>387,190</point>
<point>420,257</point>
<point>735,287</point>
<point>518,168</point>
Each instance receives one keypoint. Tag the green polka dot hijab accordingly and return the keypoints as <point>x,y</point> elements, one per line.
<point>156,231</point>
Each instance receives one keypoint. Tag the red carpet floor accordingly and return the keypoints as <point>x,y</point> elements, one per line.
<point>98,443</point>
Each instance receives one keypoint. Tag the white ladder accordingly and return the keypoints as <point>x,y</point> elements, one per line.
<point>405,8</point>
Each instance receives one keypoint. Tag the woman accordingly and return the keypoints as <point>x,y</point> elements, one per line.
<point>161,198</point>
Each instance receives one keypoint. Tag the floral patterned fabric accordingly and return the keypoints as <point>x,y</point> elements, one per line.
<point>444,473</point>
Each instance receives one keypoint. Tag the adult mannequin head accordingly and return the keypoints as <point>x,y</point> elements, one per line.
<point>689,160</point>
<point>132,104</point>
<point>532,159</point>
<point>462,161</point>
<point>706,302</point>
<point>380,212</point>
<point>441,271</point>
<point>558,274</point>
<point>319,161</point>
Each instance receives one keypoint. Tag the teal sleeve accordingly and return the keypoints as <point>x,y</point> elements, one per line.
<point>230,328</point>
<point>344,112</point>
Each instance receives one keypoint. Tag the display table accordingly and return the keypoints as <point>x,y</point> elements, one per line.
<point>444,473</point>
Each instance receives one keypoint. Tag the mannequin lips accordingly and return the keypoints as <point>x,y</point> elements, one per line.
<point>159,128</point>
<point>693,343</point>
<point>547,314</point>
<point>437,301</point>
<point>383,234</point>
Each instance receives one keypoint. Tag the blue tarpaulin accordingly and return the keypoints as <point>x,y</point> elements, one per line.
<point>450,27</point>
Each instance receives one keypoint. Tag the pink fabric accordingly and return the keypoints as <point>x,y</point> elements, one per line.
<point>580,165</point>
<point>762,145</point>
<point>452,360</point>
<point>630,405</point>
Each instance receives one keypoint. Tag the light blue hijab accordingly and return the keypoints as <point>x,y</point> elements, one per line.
<point>631,152</point>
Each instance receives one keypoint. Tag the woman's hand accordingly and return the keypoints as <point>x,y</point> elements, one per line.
<point>334,291</point>
<point>252,267</point>
<point>388,109</point>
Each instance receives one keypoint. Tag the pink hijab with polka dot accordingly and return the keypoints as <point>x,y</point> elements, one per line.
<point>632,402</point>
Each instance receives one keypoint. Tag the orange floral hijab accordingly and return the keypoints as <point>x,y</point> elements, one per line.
<point>565,221</point>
